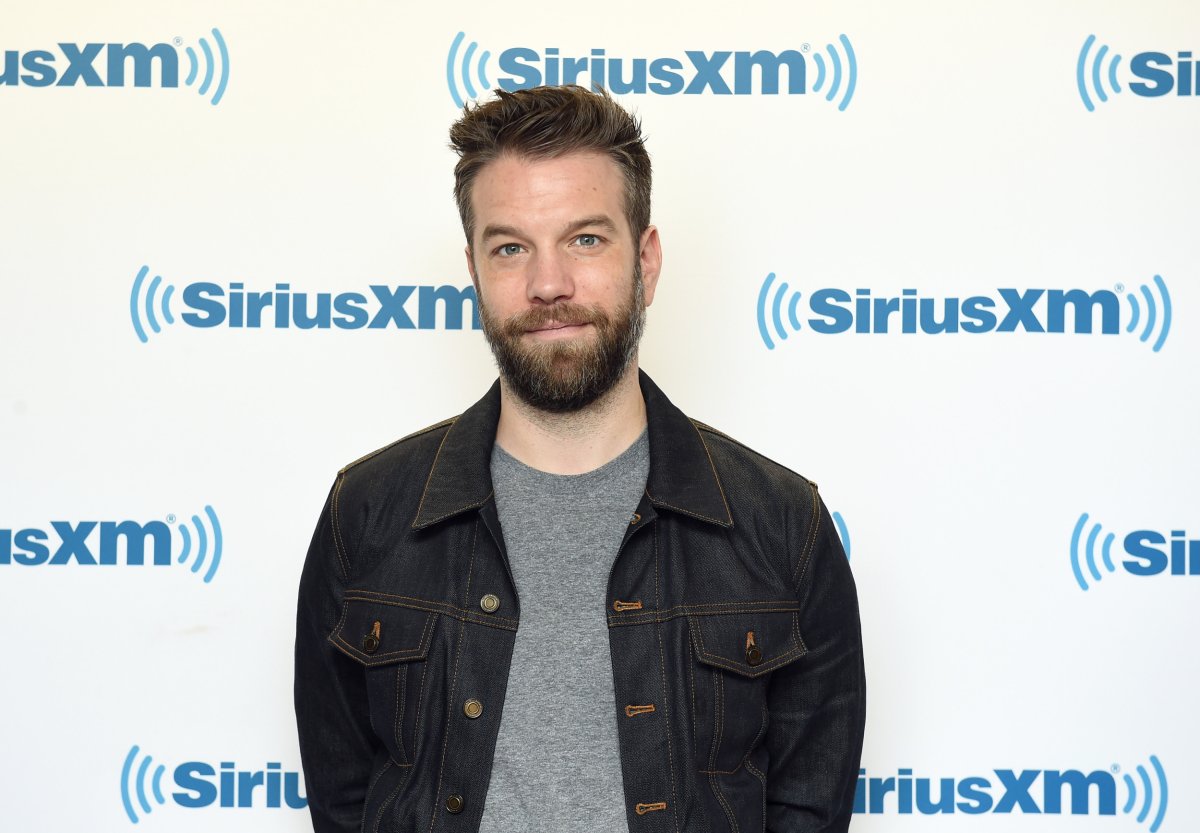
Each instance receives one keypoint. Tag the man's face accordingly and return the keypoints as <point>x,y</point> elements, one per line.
<point>561,281</point>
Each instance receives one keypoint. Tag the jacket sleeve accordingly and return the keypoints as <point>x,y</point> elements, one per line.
<point>818,703</point>
<point>336,741</point>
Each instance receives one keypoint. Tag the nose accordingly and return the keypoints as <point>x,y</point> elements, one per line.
<point>549,279</point>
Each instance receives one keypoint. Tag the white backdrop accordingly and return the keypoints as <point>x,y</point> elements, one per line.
<point>964,162</point>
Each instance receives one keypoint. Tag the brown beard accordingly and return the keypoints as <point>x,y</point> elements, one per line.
<point>566,376</point>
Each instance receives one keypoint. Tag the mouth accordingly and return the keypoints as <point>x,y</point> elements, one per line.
<point>558,327</point>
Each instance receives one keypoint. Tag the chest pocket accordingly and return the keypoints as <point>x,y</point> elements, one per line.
<point>736,654</point>
<point>392,643</point>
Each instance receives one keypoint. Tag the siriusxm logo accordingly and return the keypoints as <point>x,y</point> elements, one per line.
<point>201,784</point>
<point>123,64</point>
<point>209,305</point>
<point>1010,310</point>
<point>1035,791</point>
<point>1158,74</point>
<point>1150,553</point>
<point>118,542</point>
<point>691,72</point>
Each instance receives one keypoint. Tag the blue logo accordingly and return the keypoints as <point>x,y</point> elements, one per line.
<point>68,543</point>
<point>693,72</point>
<point>207,305</point>
<point>1149,553</point>
<point>1157,74</point>
<point>201,784</point>
<point>43,68</point>
<point>843,532</point>
<point>1010,310</point>
<point>1069,791</point>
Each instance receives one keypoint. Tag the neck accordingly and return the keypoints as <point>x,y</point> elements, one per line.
<point>576,442</point>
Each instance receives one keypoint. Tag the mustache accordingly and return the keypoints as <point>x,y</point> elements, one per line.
<point>564,313</point>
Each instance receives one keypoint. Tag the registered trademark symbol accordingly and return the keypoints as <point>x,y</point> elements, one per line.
<point>804,47</point>
<point>171,518</point>
<point>178,40</point>
<point>1116,767</point>
<point>1119,287</point>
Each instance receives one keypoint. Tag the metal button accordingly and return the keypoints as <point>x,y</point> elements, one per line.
<point>753,655</point>
<point>370,643</point>
<point>636,517</point>
<point>454,804</point>
<point>490,603</point>
<point>472,708</point>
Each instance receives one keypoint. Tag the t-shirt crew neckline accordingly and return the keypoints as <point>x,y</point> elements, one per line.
<point>603,472</point>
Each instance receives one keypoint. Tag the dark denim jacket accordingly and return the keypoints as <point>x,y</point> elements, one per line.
<point>733,629</point>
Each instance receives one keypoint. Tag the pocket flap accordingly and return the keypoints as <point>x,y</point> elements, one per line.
<point>750,644</point>
<point>381,634</point>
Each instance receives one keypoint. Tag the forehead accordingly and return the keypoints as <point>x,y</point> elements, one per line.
<point>519,191</point>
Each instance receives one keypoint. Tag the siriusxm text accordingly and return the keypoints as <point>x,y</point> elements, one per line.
<point>1004,791</point>
<point>82,63</point>
<point>68,542</point>
<point>1160,74</point>
<point>1013,310</point>
<point>694,73</point>
<point>203,786</point>
<point>212,305</point>
<point>1150,556</point>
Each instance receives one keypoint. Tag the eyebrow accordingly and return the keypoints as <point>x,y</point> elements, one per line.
<point>602,221</point>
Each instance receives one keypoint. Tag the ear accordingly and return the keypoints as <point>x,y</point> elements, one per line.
<point>650,258</point>
<point>471,269</point>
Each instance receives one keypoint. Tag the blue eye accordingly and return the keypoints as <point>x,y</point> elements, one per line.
<point>509,249</point>
<point>587,241</point>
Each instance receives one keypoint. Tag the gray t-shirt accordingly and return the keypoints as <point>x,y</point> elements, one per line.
<point>557,765</point>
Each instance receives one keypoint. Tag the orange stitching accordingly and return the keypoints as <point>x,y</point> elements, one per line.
<point>462,638</point>
<point>379,451</point>
<point>620,606</point>
<point>490,620</point>
<point>801,569</point>
<point>712,609</point>
<point>428,480</point>
<point>634,711</point>
<point>642,809</point>
<point>401,686</point>
<point>336,530</point>
<point>662,665</point>
<point>716,477</point>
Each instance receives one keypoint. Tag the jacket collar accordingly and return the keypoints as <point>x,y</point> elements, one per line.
<point>682,476</point>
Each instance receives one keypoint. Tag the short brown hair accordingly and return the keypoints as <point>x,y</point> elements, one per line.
<point>545,122</point>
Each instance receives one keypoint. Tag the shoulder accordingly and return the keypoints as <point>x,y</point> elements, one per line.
<point>733,458</point>
<point>406,445</point>
<point>397,462</point>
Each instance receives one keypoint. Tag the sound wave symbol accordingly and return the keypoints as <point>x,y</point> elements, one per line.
<point>843,533</point>
<point>776,310</point>
<point>835,72</point>
<point>211,67</point>
<point>1148,794</point>
<point>456,70</point>
<point>136,784</point>
<point>1151,313</point>
<point>139,304</point>
<point>1096,73</point>
<point>202,549</point>
<point>1087,553</point>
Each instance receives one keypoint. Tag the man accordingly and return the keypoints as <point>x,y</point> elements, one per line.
<point>572,608</point>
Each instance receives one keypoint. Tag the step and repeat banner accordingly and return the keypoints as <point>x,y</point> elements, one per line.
<point>940,257</point>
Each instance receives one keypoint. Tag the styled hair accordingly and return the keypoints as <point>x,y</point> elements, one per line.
<point>546,122</point>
